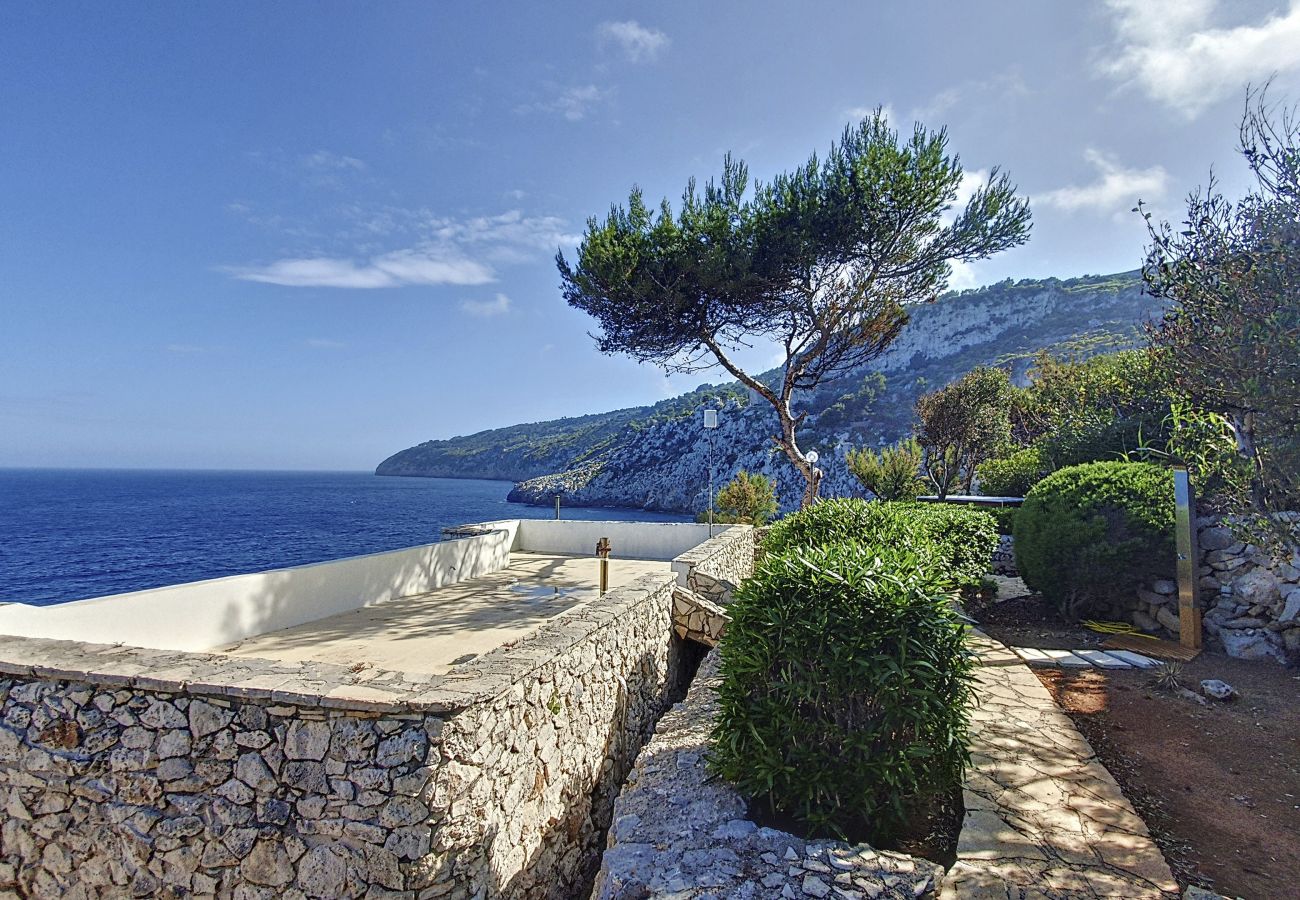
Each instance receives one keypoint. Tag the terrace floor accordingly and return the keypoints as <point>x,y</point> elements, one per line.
<point>433,632</point>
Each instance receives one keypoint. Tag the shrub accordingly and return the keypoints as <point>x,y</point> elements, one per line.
<point>1011,476</point>
<point>746,499</point>
<point>957,541</point>
<point>1089,535</point>
<point>844,691</point>
<point>891,474</point>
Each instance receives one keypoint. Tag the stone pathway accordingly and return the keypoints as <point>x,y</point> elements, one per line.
<point>1080,659</point>
<point>1044,818</point>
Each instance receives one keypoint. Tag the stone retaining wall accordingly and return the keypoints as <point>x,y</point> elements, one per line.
<point>1250,600</point>
<point>717,566</point>
<point>152,773</point>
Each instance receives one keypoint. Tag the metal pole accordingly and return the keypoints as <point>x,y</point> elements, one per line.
<point>1189,593</point>
<point>557,506</point>
<point>710,484</point>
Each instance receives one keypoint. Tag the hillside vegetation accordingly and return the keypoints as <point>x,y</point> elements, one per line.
<point>657,457</point>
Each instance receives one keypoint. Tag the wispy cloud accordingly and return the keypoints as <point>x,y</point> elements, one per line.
<point>497,306</point>
<point>442,250</point>
<point>573,103</point>
<point>418,266</point>
<point>636,42</point>
<point>324,344</point>
<point>1176,53</point>
<point>327,161</point>
<point>1116,187</point>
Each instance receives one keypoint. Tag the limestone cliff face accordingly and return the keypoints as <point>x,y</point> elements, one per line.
<point>659,457</point>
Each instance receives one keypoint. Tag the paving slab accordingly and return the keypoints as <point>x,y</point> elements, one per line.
<point>1137,660</point>
<point>1043,816</point>
<point>1066,658</point>
<point>1102,660</point>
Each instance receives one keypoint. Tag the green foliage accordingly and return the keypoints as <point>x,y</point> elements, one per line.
<point>1091,409</point>
<point>963,424</point>
<point>845,688</point>
<point>891,474</point>
<point>1011,476</point>
<point>823,259</point>
<point>1088,535</point>
<point>957,541</point>
<point>1231,272</point>
<point>746,499</point>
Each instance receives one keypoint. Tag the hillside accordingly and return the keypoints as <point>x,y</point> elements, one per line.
<point>657,457</point>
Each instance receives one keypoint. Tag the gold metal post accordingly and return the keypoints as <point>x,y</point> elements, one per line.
<point>603,549</point>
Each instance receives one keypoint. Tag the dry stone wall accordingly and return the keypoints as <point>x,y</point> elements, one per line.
<point>716,567</point>
<point>1250,598</point>
<point>126,772</point>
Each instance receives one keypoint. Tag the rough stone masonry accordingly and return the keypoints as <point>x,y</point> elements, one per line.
<point>131,772</point>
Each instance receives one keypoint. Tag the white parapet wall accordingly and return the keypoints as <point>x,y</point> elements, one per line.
<point>202,615</point>
<point>629,540</point>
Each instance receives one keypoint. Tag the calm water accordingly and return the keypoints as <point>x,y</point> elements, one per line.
<point>69,534</point>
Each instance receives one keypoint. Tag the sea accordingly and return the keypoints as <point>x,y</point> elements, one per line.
<point>69,534</point>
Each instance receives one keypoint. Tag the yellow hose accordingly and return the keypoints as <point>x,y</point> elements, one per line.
<point>1114,628</point>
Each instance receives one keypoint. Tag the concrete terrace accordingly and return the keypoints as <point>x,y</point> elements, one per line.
<point>435,631</point>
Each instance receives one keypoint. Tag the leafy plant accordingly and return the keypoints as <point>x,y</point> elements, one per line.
<point>1011,476</point>
<point>957,541</point>
<point>1088,535</point>
<point>845,688</point>
<point>746,499</point>
<point>824,260</point>
<point>891,474</point>
<point>1167,676</point>
<point>963,424</point>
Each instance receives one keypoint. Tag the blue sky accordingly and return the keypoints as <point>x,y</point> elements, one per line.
<point>257,235</point>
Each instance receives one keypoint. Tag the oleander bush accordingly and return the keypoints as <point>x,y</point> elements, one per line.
<point>1087,536</point>
<point>958,542</point>
<point>845,688</point>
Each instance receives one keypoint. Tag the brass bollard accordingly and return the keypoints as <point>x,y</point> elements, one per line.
<point>603,550</point>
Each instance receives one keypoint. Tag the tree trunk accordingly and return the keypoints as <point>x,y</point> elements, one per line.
<point>1243,429</point>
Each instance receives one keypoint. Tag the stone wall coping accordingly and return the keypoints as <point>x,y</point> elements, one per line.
<point>325,685</point>
<point>719,543</point>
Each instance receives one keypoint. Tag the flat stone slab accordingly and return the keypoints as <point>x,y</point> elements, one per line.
<point>680,833</point>
<point>1102,660</point>
<point>1043,817</point>
<point>1137,660</point>
<point>1066,658</point>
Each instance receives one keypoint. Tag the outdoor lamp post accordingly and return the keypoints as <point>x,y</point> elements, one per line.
<point>710,425</point>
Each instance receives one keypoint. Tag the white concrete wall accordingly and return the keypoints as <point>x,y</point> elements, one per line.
<point>630,540</point>
<point>203,615</point>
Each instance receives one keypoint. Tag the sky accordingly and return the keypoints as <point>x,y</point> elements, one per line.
<point>306,236</point>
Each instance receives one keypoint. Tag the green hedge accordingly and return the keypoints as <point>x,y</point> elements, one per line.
<point>1088,535</point>
<point>1011,476</point>
<point>959,541</point>
<point>845,688</point>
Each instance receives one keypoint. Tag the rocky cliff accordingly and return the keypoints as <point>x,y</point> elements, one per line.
<point>659,457</point>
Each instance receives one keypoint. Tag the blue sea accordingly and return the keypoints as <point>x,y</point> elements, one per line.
<point>70,534</point>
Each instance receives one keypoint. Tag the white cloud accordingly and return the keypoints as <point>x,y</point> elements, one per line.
<point>856,114</point>
<point>1115,187</point>
<point>497,306</point>
<point>635,41</point>
<point>326,161</point>
<point>962,276</point>
<point>1177,54</point>
<point>573,103</point>
<point>442,250</point>
<point>430,265</point>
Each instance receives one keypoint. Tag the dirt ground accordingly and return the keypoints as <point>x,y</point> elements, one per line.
<point>1217,784</point>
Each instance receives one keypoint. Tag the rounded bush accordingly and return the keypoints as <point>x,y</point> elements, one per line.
<point>845,688</point>
<point>957,541</point>
<point>1088,535</point>
<point>1010,476</point>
